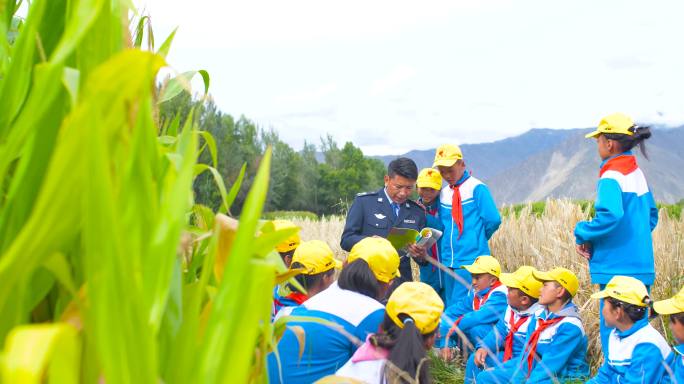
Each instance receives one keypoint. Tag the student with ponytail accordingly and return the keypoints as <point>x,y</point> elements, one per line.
<point>637,353</point>
<point>398,353</point>
<point>617,240</point>
<point>347,311</point>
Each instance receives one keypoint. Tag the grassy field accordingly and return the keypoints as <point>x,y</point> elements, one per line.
<point>546,240</point>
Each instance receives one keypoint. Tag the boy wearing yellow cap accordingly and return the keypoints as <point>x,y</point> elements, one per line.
<point>469,216</point>
<point>406,334</point>
<point>556,345</point>
<point>475,314</point>
<point>674,307</point>
<point>316,263</point>
<point>636,351</point>
<point>350,309</point>
<point>507,340</point>
<point>429,184</point>
<point>617,240</point>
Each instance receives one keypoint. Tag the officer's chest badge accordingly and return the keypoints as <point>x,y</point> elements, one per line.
<point>409,221</point>
<point>380,216</point>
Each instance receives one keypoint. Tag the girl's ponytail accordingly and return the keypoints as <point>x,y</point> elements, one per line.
<point>627,142</point>
<point>407,357</point>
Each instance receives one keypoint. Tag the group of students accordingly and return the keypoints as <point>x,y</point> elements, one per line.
<point>513,327</point>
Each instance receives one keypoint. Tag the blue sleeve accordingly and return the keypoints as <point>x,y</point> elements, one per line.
<point>609,211</point>
<point>451,315</point>
<point>489,313</point>
<point>653,211</point>
<point>488,211</point>
<point>433,222</point>
<point>353,226</point>
<point>494,341</point>
<point>369,325</point>
<point>567,338</point>
<point>603,375</point>
<point>647,365</point>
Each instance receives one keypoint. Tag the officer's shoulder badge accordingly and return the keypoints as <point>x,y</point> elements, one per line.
<point>365,194</point>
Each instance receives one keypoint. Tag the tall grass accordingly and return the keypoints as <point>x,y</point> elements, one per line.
<point>109,272</point>
<point>545,239</point>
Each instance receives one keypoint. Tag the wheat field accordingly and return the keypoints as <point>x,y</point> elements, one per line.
<point>547,241</point>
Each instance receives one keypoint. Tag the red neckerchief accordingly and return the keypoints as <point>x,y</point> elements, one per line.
<point>624,164</point>
<point>297,297</point>
<point>479,301</point>
<point>456,208</point>
<point>515,325</point>
<point>534,339</point>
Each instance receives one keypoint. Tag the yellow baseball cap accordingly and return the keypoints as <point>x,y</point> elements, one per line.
<point>418,301</point>
<point>670,306</point>
<point>615,123</point>
<point>484,264</point>
<point>562,276</point>
<point>316,257</point>
<point>447,155</point>
<point>624,288</point>
<point>291,242</point>
<point>524,280</point>
<point>429,178</point>
<point>380,255</point>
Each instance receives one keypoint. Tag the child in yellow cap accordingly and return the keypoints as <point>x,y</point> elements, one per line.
<point>287,247</point>
<point>636,351</point>
<point>507,340</point>
<point>469,217</point>
<point>475,314</point>
<point>674,307</point>
<point>350,309</point>
<point>406,334</point>
<point>617,240</point>
<point>429,184</point>
<point>316,263</point>
<point>556,345</point>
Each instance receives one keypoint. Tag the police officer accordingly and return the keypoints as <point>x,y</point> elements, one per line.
<point>375,213</point>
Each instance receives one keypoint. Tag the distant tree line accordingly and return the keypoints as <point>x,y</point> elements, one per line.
<point>299,182</point>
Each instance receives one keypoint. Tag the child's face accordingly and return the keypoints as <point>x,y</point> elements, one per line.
<point>482,281</point>
<point>550,291</point>
<point>605,147</point>
<point>610,314</point>
<point>677,329</point>
<point>428,194</point>
<point>517,299</point>
<point>454,173</point>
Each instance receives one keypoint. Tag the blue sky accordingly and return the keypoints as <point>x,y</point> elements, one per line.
<point>391,76</point>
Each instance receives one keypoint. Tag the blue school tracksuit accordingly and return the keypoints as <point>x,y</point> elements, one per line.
<point>429,274</point>
<point>620,231</point>
<point>480,220</point>
<point>474,323</point>
<point>562,350</point>
<point>495,341</point>
<point>676,363</point>
<point>637,355</point>
<point>326,348</point>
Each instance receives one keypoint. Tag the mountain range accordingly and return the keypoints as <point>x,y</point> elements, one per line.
<point>554,163</point>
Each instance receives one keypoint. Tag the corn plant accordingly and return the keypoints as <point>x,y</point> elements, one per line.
<point>108,270</point>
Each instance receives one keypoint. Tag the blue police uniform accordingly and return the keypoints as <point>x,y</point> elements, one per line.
<point>372,215</point>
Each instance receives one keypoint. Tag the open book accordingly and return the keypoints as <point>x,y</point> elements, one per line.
<point>401,237</point>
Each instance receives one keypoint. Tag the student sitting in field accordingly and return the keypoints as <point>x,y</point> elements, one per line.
<point>429,184</point>
<point>406,334</point>
<point>316,263</point>
<point>675,308</point>
<point>636,351</point>
<point>347,312</point>
<point>507,340</point>
<point>556,346</point>
<point>475,314</point>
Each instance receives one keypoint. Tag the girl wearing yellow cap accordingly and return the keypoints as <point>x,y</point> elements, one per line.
<point>674,307</point>
<point>316,263</point>
<point>637,353</point>
<point>617,240</point>
<point>341,316</point>
<point>429,184</point>
<point>398,353</point>
<point>556,345</point>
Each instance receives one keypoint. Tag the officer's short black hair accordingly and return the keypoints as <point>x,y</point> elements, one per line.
<point>404,167</point>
